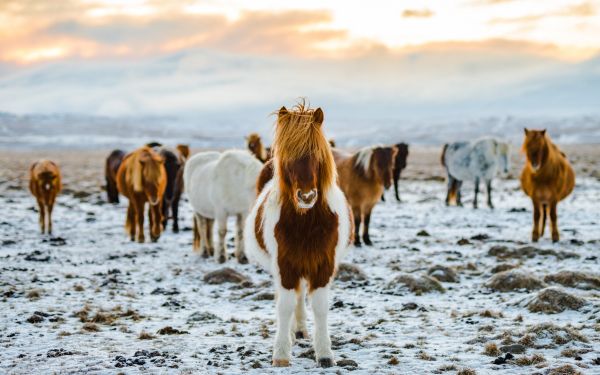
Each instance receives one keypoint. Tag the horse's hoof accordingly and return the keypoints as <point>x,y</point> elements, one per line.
<point>281,362</point>
<point>326,362</point>
<point>368,242</point>
<point>205,255</point>
<point>243,260</point>
<point>357,244</point>
<point>300,335</point>
<point>222,259</point>
<point>154,239</point>
<point>175,230</point>
<point>141,240</point>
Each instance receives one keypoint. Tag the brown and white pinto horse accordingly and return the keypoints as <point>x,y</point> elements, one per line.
<point>254,144</point>
<point>113,162</point>
<point>142,178</point>
<point>363,176</point>
<point>45,184</point>
<point>547,178</point>
<point>299,229</point>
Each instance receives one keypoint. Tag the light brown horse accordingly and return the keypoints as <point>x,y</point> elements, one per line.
<point>45,184</point>
<point>299,229</point>
<point>254,144</point>
<point>363,176</point>
<point>142,178</point>
<point>547,178</point>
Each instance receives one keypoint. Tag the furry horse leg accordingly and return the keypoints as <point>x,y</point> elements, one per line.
<point>449,190</point>
<point>476,192</point>
<point>396,178</point>
<point>139,215</point>
<point>458,193</point>
<point>196,231</point>
<point>300,330</point>
<point>154,213</point>
<point>209,236</point>
<point>367,220</point>
<point>553,222</point>
<point>130,222</point>
<point>49,208</point>
<point>239,239</point>
<point>544,214</point>
<point>175,212</point>
<point>357,220</point>
<point>221,254</point>
<point>42,216</point>
<point>489,194</point>
<point>203,241</point>
<point>322,342</point>
<point>166,204</point>
<point>286,303</point>
<point>535,234</point>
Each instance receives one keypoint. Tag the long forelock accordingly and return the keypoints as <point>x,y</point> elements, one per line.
<point>298,136</point>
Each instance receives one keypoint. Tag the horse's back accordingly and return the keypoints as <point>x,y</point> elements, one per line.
<point>197,179</point>
<point>234,180</point>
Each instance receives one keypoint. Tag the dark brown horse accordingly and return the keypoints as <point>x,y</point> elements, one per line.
<point>547,178</point>
<point>170,204</point>
<point>113,162</point>
<point>184,154</point>
<point>142,178</point>
<point>256,147</point>
<point>45,184</point>
<point>363,176</point>
<point>399,165</point>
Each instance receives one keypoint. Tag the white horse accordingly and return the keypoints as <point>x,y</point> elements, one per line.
<point>219,185</point>
<point>474,161</point>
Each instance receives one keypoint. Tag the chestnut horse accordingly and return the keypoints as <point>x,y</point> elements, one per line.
<point>299,229</point>
<point>45,184</point>
<point>547,178</point>
<point>363,176</point>
<point>254,144</point>
<point>142,178</point>
<point>113,162</point>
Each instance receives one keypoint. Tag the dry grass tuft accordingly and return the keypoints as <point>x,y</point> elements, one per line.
<point>393,361</point>
<point>78,288</point>
<point>575,279</point>
<point>511,280</point>
<point>146,336</point>
<point>424,356</point>
<point>491,314</point>
<point>491,350</point>
<point>553,301</point>
<point>564,370</point>
<point>34,294</point>
<point>530,361</point>
<point>466,371</point>
<point>91,327</point>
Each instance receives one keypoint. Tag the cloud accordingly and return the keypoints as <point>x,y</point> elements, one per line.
<point>417,13</point>
<point>580,10</point>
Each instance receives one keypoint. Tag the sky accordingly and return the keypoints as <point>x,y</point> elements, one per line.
<point>145,57</point>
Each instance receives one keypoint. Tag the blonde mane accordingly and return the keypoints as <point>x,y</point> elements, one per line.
<point>363,159</point>
<point>150,170</point>
<point>298,135</point>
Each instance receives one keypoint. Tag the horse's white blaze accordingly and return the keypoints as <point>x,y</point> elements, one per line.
<point>219,185</point>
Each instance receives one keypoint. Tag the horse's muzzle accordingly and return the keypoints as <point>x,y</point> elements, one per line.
<point>307,200</point>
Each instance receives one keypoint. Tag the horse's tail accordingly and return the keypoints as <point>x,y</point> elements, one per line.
<point>443,158</point>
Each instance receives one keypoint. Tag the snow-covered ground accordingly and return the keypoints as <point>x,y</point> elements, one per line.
<point>81,302</point>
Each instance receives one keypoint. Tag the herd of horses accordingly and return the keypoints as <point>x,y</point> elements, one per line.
<point>300,204</point>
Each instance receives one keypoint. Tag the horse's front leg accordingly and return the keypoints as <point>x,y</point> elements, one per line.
<point>476,192</point>
<point>49,208</point>
<point>286,303</point>
<point>489,194</point>
<point>139,215</point>
<point>396,178</point>
<point>322,341</point>
<point>239,239</point>
<point>221,254</point>
<point>154,213</point>
<point>458,193</point>
<point>130,222</point>
<point>366,222</point>
<point>300,329</point>
<point>357,219</point>
<point>175,213</point>
<point>42,216</point>
<point>554,222</point>
<point>450,190</point>
<point>535,234</point>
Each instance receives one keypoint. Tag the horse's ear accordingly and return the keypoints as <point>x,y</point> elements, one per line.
<point>283,111</point>
<point>543,132</point>
<point>318,116</point>
<point>526,131</point>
